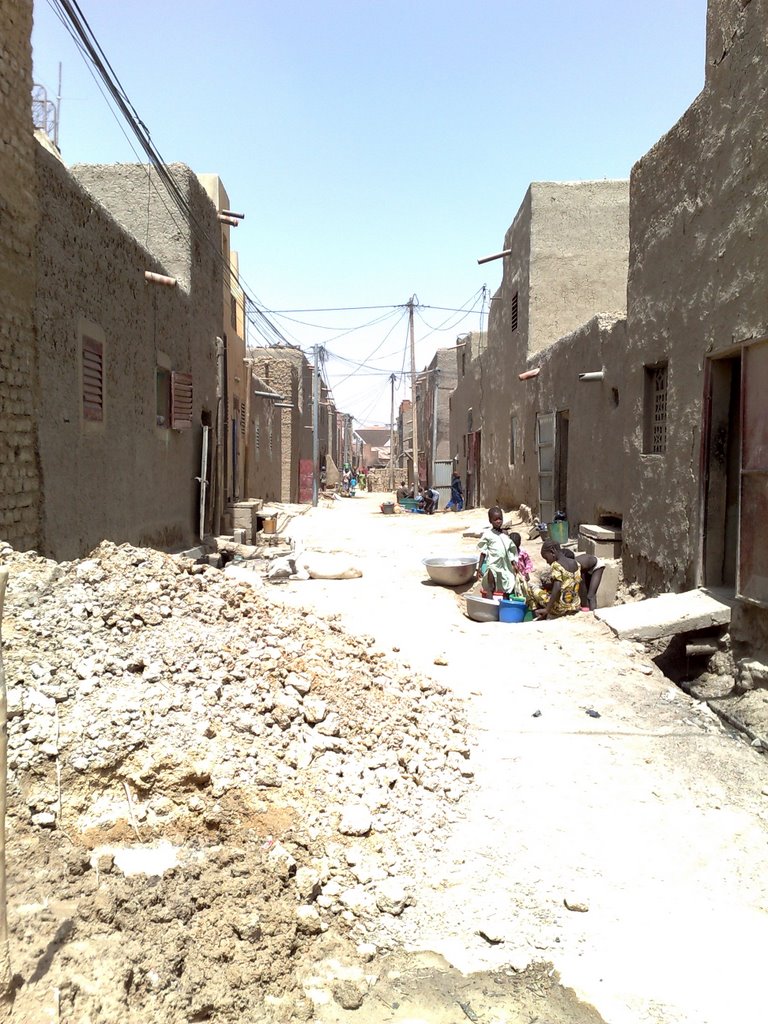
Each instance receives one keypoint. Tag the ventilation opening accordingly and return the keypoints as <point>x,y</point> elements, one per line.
<point>610,521</point>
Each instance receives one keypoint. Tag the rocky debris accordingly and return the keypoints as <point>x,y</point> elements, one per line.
<point>349,993</point>
<point>298,777</point>
<point>355,820</point>
<point>577,906</point>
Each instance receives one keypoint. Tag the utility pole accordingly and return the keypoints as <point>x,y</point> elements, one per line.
<point>315,423</point>
<point>392,435</point>
<point>414,418</point>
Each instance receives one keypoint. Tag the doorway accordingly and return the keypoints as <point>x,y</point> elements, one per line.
<point>722,476</point>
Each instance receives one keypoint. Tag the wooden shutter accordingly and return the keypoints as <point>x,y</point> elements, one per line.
<point>181,400</point>
<point>93,380</point>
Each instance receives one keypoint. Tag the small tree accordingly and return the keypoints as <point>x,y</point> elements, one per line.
<point>5,956</point>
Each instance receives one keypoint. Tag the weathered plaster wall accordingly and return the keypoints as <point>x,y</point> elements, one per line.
<point>264,471</point>
<point>579,253</point>
<point>19,466</point>
<point>439,381</point>
<point>568,262</point>
<point>285,371</point>
<point>125,479</point>
<point>697,280</point>
<point>596,414</point>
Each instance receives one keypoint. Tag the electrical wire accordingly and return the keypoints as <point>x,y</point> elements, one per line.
<point>92,51</point>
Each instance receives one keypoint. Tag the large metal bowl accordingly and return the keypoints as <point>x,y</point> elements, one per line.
<point>482,609</point>
<point>451,572</point>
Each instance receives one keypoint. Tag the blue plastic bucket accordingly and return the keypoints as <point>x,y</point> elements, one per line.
<point>512,610</point>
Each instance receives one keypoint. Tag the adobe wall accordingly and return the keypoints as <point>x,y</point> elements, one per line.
<point>579,253</point>
<point>697,280</point>
<point>282,376</point>
<point>440,380</point>
<point>126,479</point>
<point>19,465</point>
<point>597,416</point>
<point>487,385</point>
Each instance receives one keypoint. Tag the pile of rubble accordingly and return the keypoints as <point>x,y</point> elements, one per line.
<point>207,793</point>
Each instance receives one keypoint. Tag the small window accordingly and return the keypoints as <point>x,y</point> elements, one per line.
<point>270,440</point>
<point>93,380</point>
<point>233,310</point>
<point>463,363</point>
<point>513,314</point>
<point>181,400</point>
<point>469,421</point>
<point>163,391</point>
<point>242,420</point>
<point>512,439</point>
<point>655,409</point>
<point>257,438</point>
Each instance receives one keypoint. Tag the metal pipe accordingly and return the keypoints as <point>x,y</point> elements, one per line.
<point>496,256</point>
<point>529,374</point>
<point>152,278</point>
<point>223,219</point>
<point>268,394</point>
<point>231,213</point>
<point>595,375</point>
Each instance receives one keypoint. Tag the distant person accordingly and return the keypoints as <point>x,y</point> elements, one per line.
<point>456,504</point>
<point>431,500</point>
<point>497,564</point>
<point>402,491</point>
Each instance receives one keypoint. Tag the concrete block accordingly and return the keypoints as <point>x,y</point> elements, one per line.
<point>667,615</point>
<point>600,549</point>
<point>609,583</point>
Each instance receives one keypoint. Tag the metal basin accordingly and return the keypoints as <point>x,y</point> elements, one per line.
<point>482,609</point>
<point>451,572</point>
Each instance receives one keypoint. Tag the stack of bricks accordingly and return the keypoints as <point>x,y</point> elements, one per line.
<point>19,466</point>
<point>244,515</point>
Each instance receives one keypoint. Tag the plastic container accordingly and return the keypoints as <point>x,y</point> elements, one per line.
<point>512,610</point>
<point>270,524</point>
<point>558,531</point>
<point>388,508</point>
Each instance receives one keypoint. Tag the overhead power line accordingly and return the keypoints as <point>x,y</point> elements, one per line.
<point>77,25</point>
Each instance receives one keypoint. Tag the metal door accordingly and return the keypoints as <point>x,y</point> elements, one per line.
<point>545,443</point>
<point>441,480</point>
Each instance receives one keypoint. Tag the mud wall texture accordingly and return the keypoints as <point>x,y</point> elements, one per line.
<point>440,379</point>
<point>19,466</point>
<point>282,376</point>
<point>697,282</point>
<point>590,479</point>
<point>263,469</point>
<point>126,476</point>
<point>568,262</point>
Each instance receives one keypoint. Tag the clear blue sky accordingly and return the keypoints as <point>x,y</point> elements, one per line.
<point>379,147</point>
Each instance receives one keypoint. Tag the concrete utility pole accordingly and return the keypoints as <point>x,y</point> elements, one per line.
<point>315,423</point>
<point>392,434</point>
<point>414,418</point>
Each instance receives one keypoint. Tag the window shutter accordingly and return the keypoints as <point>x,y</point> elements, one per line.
<point>93,380</point>
<point>181,401</point>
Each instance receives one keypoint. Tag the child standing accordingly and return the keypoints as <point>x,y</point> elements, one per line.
<point>524,560</point>
<point>497,565</point>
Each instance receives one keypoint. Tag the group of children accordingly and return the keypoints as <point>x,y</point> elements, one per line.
<point>568,585</point>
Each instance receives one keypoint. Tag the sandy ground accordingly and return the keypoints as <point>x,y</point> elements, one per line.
<point>653,816</point>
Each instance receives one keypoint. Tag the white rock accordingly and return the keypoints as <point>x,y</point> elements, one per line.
<point>308,920</point>
<point>392,896</point>
<point>355,820</point>
<point>301,683</point>
<point>358,901</point>
<point>315,709</point>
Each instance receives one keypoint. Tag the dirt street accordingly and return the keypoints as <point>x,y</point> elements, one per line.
<point>650,821</point>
